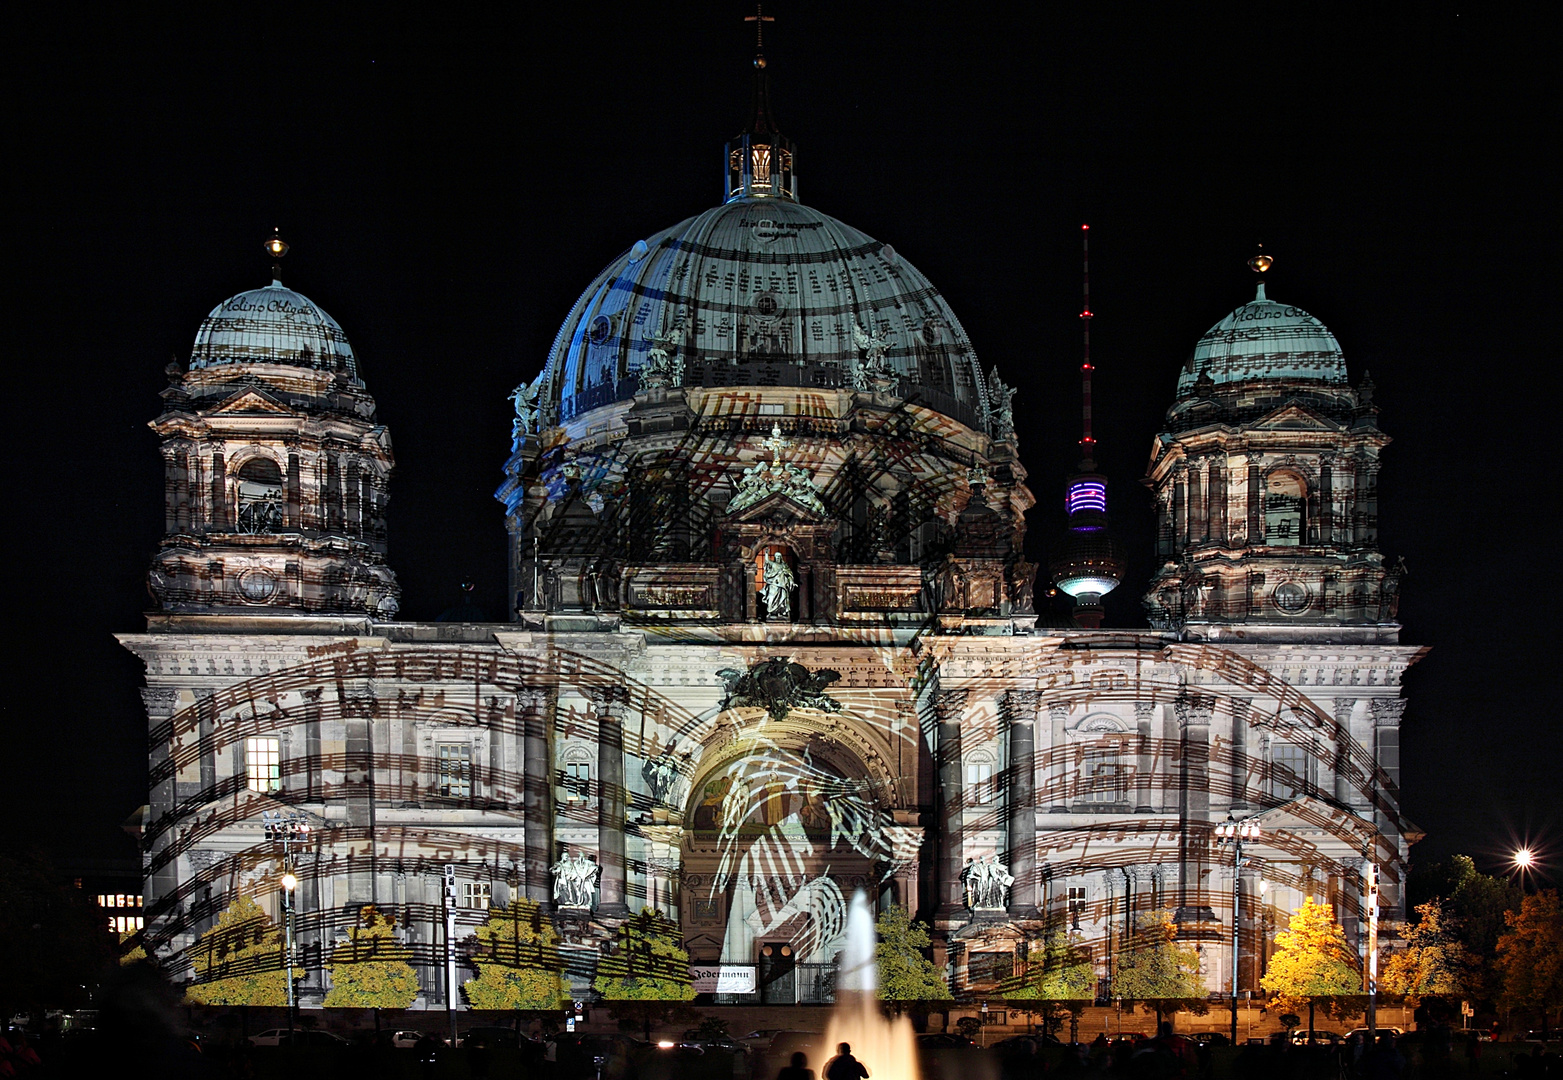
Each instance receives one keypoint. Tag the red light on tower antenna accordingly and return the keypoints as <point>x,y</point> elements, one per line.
<point>1085,226</point>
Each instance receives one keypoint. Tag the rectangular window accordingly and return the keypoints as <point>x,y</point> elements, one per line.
<point>263,764</point>
<point>577,779</point>
<point>476,895</point>
<point>1288,770</point>
<point>979,782</point>
<point>1101,776</point>
<point>1076,905</point>
<point>455,779</point>
<point>1389,752</point>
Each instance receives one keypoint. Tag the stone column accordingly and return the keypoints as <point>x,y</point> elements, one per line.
<point>170,490</point>
<point>1193,716</point>
<point>293,517</point>
<point>1180,510</point>
<point>1256,517</point>
<point>331,494</point>
<point>1199,525</point>
<point>949,705</point>
<point>182,488</point>
<point>352,524</point>
<point>1021,707</point>
<point>1145,758</point>
<point>1218,503</point>
<point>1240,799</point>
<point>1342,760</point>
<point>610,705</point>
<point>537,795</point>
<point>1326,502</point>
<point>219,516</point>
<point>1058,763</point>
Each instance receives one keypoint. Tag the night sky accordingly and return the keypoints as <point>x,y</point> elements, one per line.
<point>449,184</point>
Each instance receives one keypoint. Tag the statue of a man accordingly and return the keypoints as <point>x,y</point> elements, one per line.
<point>779,583</point>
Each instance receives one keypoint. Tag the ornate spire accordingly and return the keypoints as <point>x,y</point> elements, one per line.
<point>759,159</point>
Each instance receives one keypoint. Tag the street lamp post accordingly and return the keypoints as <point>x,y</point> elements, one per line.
<point>1236,833</point>
<point>288,830</point>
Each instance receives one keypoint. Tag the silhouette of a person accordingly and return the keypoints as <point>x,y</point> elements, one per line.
<point>844,1066</point>
<point>798,1070</point>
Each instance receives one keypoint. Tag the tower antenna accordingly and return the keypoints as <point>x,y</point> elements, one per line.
<point>1087,442</point>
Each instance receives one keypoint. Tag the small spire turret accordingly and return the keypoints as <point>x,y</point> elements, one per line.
<point>759,158</point>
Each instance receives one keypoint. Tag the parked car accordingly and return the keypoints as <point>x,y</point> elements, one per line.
<point>300,1037</point>
<point>786,1043</point>
<point>1383,1029</point>
<point>1211,1038</point>
<point>759,1039</point>
<point>405,1040</point>
<point>942,1040</point>
<point>1320,1037</point>
<point>692,1037</point>
<point>500,1038</point>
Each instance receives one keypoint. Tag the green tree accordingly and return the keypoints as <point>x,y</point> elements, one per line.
<point>1530,956</point>
<point>644,976</point>
<point>1434,962</point>
<point>907,978</point>
<point>1058,975</point>
<point>1314,964</point>
<point>1156,971</point>
<point>239,960</point>
<point>1479,903</point>
<point>369,970</point>
<point>517,957</point>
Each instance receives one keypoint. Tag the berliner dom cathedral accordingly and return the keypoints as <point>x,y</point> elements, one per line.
<point>774,635</point>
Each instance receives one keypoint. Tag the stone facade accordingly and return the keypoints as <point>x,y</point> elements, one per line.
<point>670,721</point>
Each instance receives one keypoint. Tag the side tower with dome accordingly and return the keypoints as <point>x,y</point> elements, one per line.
<point>276,472</point>
<point>1266,487</point>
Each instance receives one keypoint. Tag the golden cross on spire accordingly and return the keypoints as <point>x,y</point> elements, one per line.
<point>759,18</point>
<point>776,443</point>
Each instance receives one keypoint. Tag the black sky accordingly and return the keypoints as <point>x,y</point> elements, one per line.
<point>450,182</point>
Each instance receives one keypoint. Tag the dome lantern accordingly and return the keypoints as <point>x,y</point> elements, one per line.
<point>759,159</point>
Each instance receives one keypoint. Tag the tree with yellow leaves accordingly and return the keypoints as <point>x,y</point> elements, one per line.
<point>518,962</point>
<point>239,960</point>
<point>1434,963</point>
<point>1314,964</point>
<point>369,970</point>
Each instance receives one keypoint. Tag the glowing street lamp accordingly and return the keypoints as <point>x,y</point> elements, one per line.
<point>1236,833</point>
<point>1524,858</point>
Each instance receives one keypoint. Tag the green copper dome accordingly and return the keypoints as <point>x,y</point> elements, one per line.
<point>1264,340</point>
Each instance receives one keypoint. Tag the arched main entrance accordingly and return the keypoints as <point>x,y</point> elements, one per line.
<point>784,823</point>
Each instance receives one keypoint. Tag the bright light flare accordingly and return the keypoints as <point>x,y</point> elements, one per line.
<point>1524,858</point>
<point>289,882</point>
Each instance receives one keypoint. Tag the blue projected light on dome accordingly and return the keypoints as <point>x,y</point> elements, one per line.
<point>1087,495</point>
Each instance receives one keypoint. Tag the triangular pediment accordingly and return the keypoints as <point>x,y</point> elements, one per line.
<point>251,400</point>
<point>777,506</point>
<point>1294,417</point>
<point>1310,814</point>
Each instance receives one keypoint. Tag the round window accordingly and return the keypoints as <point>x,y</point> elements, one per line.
<point>766,303</point>
<point>257,586</point>
<point>602,326</point>
<point>1291,597</point>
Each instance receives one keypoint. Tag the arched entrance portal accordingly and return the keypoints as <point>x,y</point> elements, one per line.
<point>784,824</point>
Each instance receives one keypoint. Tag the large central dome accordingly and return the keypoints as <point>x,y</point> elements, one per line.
<point>761,292</point>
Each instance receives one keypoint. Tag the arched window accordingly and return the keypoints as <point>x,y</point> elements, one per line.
<point>259,501</point>
<point>1285,499</point>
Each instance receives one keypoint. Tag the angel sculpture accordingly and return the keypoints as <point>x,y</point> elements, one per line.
<point>525,423</point>
<point>874,346</point>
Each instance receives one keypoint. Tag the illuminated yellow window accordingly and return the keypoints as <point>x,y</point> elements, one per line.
<point>263,764</point>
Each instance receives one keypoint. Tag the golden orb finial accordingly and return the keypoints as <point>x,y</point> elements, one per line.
<point>1261,262</point>
<point>275,247</point>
